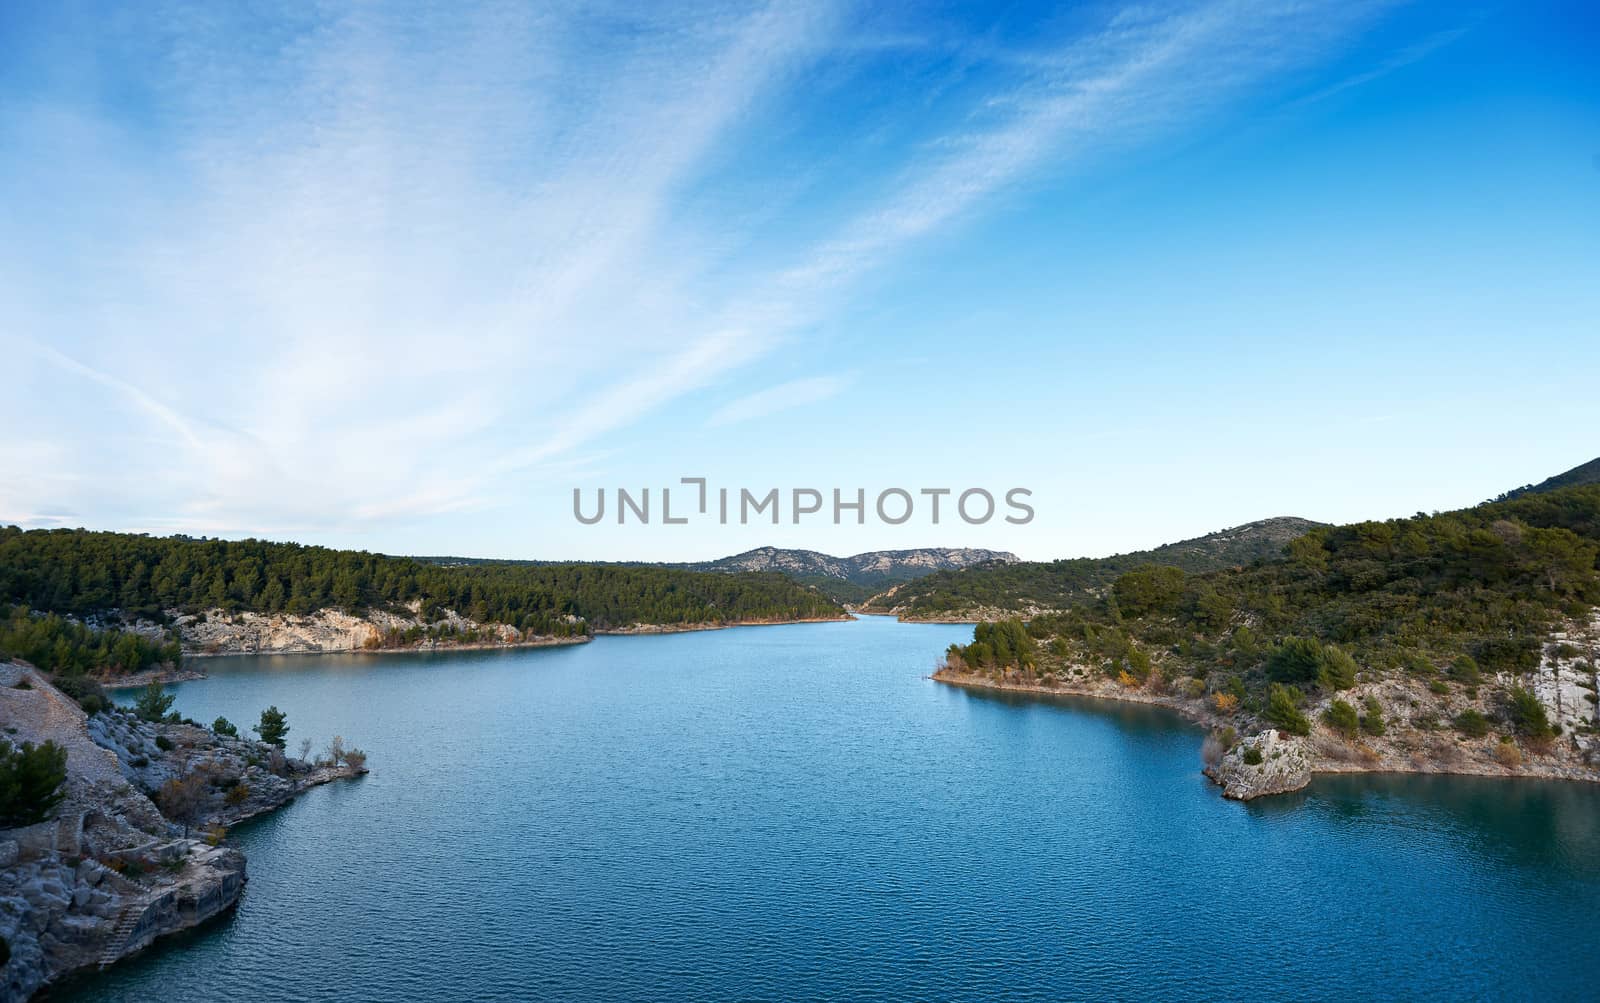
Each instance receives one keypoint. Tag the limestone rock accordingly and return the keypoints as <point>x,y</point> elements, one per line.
<point>1285,766</point>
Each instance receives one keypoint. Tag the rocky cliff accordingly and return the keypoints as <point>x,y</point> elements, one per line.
<point>873,567</point>
<point>109,873</point>
<point>218,632</point>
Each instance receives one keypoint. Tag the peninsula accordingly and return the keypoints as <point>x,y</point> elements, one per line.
<point>112,824</point>
<point>1463,642</point>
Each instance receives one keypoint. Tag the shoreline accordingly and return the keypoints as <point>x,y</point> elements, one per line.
<point>905,618</point>
<point>1533,769</point>
<point>185,674</point>
<point>541,642</point>
<point>138,680</point>
<point>689,628</point>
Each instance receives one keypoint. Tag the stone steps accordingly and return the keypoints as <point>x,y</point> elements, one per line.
<point>127,920</point>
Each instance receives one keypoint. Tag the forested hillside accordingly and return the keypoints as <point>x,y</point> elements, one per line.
<point>1032,585</point>
<point>1465,605</point>
<point>81,574</point>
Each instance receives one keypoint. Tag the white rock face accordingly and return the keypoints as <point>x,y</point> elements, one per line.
<point>876,562</point>
<point>1566,680</point>
<point>220,632</point>
<point>1285,766</point>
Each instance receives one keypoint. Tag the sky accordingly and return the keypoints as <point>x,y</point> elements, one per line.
<point>403,277</point>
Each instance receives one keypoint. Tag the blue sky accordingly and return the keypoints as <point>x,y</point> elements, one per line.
<point>400,277</point>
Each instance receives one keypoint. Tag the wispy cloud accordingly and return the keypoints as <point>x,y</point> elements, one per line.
<point>368,265</point>
<point>783,397</point>
<point>1406,56</point>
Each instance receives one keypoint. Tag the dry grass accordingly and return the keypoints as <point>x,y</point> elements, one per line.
<point>1507,755</point>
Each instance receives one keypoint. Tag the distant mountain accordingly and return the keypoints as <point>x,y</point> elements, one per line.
<point>1588,473</point>
<point>852,579</point>
<point>1034,585</point>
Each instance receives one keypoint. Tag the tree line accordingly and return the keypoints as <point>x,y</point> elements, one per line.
<point>81,573</point>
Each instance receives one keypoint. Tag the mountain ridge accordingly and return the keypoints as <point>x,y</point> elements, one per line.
<point>1583,473</point>
<point>1032,586</point>
<point>842,579</point>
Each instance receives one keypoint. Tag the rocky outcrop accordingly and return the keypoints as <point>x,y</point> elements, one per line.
<point>109,873</point>
<point>1268,763</point>
<point>218,632</point>
<point>1416,735</point>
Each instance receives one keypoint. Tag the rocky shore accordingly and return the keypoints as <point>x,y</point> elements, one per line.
<point>218,632</point>
<point>109,874</point>
<point>1265,761</point>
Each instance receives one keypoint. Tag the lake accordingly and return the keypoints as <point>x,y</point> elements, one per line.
<point>796,812</point>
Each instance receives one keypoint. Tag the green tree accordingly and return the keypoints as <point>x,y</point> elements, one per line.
<point>1283,710</point>
<point>31,781</point>
<point>1149,589</point>
<point>1295,660</point>
<point>273,727</point>
<point>223,726</point>
<point>154,702</point>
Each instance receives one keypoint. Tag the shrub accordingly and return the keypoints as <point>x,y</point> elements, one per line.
<point>1472,723</point>
<point>1337,671</point>
<point>223,726</point>
<point>355,759</point>
<point>164,743</point>
<point>215,834</point>
<point>1226,703</point>
<point>1283,710</point>
<point>1464,670</point>
<point>31,779</point>
<point>1342,718</point>
<point>183,799</point>
<point>1528,715</point>
<point>1252,756</point>
<point>1417,664</point>
<point>86,691</point>
<point>1126,679</point>
<point>1438,687</point>
<point>1372,721</point>
<point>1507,754</point>
<point>237,795</point>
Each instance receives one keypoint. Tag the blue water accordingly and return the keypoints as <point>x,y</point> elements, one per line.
<point>795,812</point>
